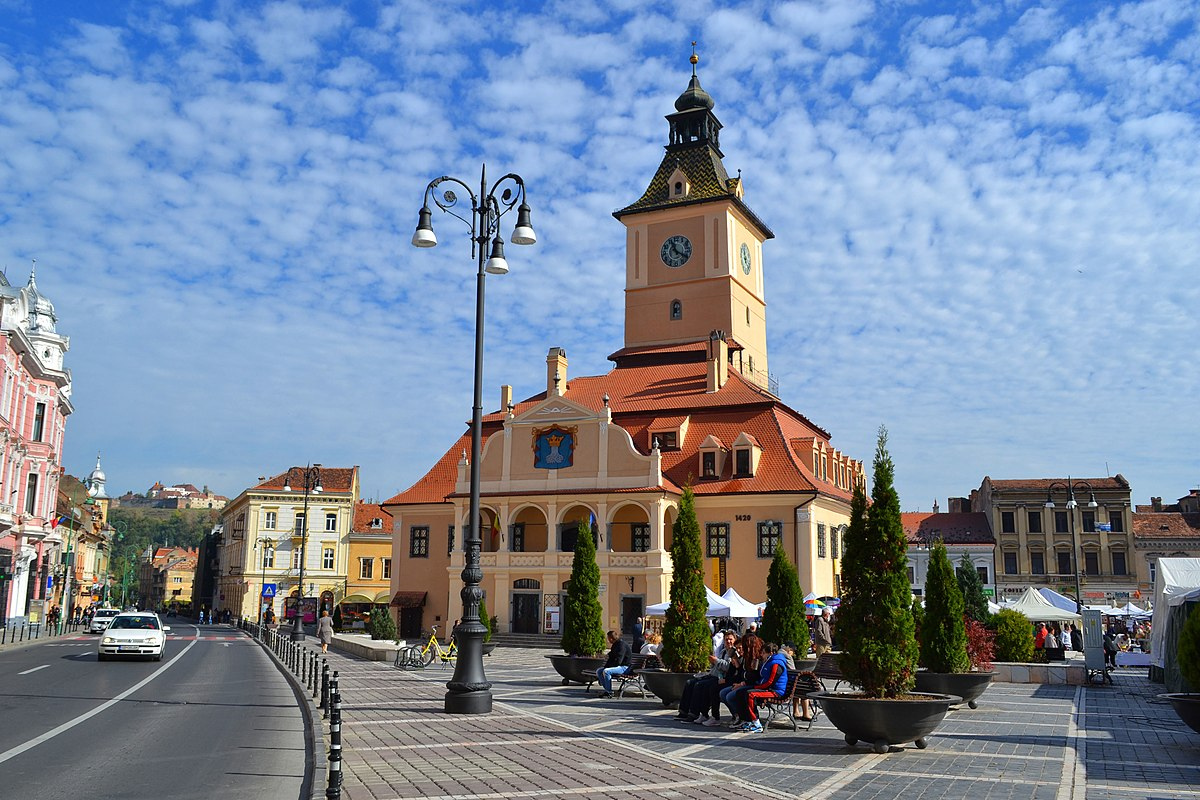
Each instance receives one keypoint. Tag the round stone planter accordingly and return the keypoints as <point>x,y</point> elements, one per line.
<point>883,723</point>
<point>488,647</point>
<point>967,685</point>
<point>576,669</point>
<point>1187,706</point>
<point>666,686</point>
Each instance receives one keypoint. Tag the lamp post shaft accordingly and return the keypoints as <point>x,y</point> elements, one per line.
<point>1071,507</point>
<point>298,630</point>
<point>469,689</point>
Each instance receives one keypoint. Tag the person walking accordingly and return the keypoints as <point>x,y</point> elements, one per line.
<point>822,634</point>
<point>325,631</point>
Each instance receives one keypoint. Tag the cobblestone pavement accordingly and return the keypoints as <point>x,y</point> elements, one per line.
<point>547,740</point>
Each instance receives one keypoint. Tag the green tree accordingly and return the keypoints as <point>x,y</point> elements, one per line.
<point>1187,655</point>
<point>583,623</point>
<point>943,636</point>
<point>485,620</point>
<point>687,643</point>
<point>1014,636</point>
<point>975,602</point>
<point>918,612</point>
<point>783,621</point>
<point>381,625</point>
<point>338,620</point>
<point>874,621</point>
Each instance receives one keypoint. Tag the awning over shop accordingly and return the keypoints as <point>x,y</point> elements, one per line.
<point>382,597</point>
<point>357,598</point>
<point>409,599</point>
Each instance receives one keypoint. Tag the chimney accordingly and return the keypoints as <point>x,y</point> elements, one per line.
<point>958,505</point>
<point>505,398</point>
<point>718,360</point>
<point>1156,503</point>
<point>556,372</point>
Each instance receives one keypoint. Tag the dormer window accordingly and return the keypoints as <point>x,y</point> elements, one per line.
<point>746,455</point>
<point>708,462</point>
<point>680,186</point>
<point>712,458</point>
<point>741,462</point>
<point>676,309</point>
<point>377,523</point>
<point>667,440</point>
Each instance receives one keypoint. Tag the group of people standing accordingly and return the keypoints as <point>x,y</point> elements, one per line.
<point>1054,640</point>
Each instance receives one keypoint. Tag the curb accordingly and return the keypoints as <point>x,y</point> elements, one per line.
<point>316,763</point>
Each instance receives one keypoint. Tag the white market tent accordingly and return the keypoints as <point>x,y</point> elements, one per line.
<point>1057,600</point>
<point>740,607</point>
<point>1039,609</point>
<point>1174,576</point>
<point>717,607</point>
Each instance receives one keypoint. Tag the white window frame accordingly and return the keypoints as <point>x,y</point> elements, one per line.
<point>366,569</point>
<point>331,520</point>
<point>328,557</point>
<point>270,520</point>
<point>385,569</point>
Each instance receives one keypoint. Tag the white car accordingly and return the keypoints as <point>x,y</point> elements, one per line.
<point>134,633</point>
<point>101,618</point>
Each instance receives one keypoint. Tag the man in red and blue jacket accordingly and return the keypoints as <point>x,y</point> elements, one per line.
<point>772,681</point>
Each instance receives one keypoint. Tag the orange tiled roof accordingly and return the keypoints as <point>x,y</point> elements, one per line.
<point>640,396</point>
<point>1166,525</point>
<point>366,513</point>
<point>951,528</point>
<point>333,479</point>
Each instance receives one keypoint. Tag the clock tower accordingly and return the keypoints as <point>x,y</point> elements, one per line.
<point>693,249</point>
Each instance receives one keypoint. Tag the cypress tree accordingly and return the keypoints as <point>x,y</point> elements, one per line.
<point>583,624</point>
<point>875,622</point>
<point>687,643</point>
<point>975,602</point>
<point>485,620</point>
<point>783,621</point>
<point>943,636</point>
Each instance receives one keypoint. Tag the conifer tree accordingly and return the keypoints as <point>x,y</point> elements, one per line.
<point>687,642</point>
<point>1187,654</point>
<point>583,623</point>
<point>975,602</point>
<point>875,621</point>
<point>943,635</point>
<point>783,621</point>
<point>485,620</point>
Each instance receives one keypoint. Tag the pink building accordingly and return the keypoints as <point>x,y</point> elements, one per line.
<point>35,399</point>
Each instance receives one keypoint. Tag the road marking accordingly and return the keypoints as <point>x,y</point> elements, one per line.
<point>66,726</point>
<point>35,669</point>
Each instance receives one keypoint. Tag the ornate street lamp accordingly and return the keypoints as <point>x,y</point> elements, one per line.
<point>310,476</point>
<point>468,691</point>
<point>1071,506</point>
<point>264,543</point>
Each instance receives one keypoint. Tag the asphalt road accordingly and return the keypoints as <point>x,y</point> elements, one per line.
<point>213,719</point>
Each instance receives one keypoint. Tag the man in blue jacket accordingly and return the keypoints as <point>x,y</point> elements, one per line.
<point>619,659</point>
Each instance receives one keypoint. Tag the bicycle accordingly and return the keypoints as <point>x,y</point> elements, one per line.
<point>413,657</point>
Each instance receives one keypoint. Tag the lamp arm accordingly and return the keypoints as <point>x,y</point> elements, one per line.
<point>447,200</point>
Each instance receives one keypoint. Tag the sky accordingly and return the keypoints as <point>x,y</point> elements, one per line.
<point>986,215</point>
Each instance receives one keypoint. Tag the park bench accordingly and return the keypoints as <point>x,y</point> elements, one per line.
<point>827,669</point>
<point>799,685</point>
<point>632,677</point>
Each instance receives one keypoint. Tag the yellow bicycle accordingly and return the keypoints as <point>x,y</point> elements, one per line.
<point>413,657</point>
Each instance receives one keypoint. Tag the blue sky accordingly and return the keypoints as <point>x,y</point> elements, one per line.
<point>987,221</point>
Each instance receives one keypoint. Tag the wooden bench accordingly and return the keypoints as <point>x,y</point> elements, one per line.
<point>632,677</point>
<point>800,684</point>
<point>827,669</point>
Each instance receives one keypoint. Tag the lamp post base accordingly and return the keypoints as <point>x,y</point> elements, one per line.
<point>477,702</point>
<point>297,633</point>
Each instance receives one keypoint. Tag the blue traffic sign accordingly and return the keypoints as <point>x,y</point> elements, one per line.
<point>49,581</point>
<point>268,590</point>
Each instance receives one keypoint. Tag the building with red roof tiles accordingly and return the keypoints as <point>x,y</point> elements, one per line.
<point>962,532</point>
<point>689,400</point>
<point>1164,531</point>
<point>265,536</point>
<point>1041,545</point>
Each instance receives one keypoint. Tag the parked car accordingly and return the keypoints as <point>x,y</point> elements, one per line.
<point>101,618</point>
<point>134,633</point>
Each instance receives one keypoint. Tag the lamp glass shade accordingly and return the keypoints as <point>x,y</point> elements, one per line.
<point>423,236</point>
<point>523,233</point>
<point>496,265</point>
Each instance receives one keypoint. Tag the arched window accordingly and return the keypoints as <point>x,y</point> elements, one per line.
<point>676,309</point>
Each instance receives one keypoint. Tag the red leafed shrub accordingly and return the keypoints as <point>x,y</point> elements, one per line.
<point>981,647</point>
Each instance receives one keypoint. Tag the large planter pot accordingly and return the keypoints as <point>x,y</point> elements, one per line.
<point>1187,706</point>
<point>967,685</point>
<point>576,669</point>
<point>665,685</point>
<point>885,722</point>
<point>488,647</point>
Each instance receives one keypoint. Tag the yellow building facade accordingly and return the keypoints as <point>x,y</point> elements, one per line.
<point>689,401</point>
<point>369,576</point>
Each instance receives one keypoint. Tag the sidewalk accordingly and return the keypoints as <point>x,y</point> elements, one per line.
<point>547,740</point>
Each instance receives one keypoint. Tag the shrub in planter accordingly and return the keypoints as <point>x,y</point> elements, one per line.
<point>381,625</point>
<point>485,620</point>
<point>338,621</point>
<point>1014,636</point>
<point>874,621</point>
<point>975,602</point>
<point>783,621</point>
<point>943,637</point>
<point>1188,652</point>
<point>981,648</point>
<point>583,626</point>
<point>687,643</point>
<point>918,612</point>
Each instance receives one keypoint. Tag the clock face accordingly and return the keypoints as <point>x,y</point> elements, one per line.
<point>745,258</point>
<point>676,251</point>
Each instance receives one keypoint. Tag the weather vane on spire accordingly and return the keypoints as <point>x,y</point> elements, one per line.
<point>695,59</point>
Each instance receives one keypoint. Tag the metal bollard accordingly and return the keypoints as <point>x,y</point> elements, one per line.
<point>334,788</point>
<point>324,686</point>
<point>316,687</point>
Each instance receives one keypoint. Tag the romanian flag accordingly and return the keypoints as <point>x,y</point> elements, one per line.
<point>54,523</point>
<point>495,532</point>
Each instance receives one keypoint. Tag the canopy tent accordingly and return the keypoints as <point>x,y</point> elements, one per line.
<point>740,607</point>
<point>1039,609</point>
<point>993,607</point>
<point>1131,611</point>
<point>1174,576</point>
<point>717,607</point>
<point>1179,606</point>
<point>1058,600</point>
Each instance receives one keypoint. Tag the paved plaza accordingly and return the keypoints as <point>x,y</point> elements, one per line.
<point>548,740</point>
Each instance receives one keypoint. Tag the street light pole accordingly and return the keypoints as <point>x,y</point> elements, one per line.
<point>264,543</point>
<point>468,691</point>
<point>311,475</point>
<point>1070,486</point>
